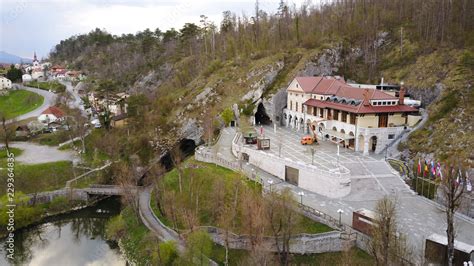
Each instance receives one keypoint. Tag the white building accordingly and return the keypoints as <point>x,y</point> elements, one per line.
<point>359,118</point>
<point>5,83</point>
<point>26,78</point>
<point>52,114</point>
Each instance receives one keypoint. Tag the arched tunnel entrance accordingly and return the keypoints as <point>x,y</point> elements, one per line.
<point>184,149</point>
<point>261,117</point>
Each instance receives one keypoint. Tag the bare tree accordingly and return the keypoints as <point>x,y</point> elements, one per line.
<point>127,180</point>
<point>283,220</point>
<point>387,245</point>
<point>177,159</point>
<point>6,133</point>
<point>452,185</point>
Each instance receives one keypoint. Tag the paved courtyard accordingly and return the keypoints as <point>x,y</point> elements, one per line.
<point>371,179</point>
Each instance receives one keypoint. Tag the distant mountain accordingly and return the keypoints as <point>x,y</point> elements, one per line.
<point>7,58</point>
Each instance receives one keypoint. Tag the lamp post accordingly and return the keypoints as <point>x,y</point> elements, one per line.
<point>340,211</point>
<point>301,193</point>
<point>271,183</point>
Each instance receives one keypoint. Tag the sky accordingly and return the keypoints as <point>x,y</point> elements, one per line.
<point>38,25</point>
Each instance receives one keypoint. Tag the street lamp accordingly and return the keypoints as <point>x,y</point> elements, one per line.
<point>301,193</point>
<point>271,183</point>
<point>340,211</point>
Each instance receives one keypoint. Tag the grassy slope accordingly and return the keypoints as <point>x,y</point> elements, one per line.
<point>54,86</point>
<point>19,102</point>
<point>39,177</point>
<point>204,178</point>
<point>446,134</point>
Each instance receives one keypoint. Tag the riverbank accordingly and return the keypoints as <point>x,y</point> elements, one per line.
<point>75,238</point>
<point>32,215</point>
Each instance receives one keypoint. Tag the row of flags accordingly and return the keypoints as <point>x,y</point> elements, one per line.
<point>431,169</point>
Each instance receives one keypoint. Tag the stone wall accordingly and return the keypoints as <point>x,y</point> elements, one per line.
<point>300,243</point>
<point>312,178</point>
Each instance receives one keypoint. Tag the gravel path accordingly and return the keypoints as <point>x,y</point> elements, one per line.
<point>35,154</point>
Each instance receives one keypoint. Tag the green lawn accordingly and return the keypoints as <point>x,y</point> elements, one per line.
<point>40,177</point>
<point>214,185</point>
<point>54,86</point>
<point>19,102</point>
<point>52,139</point>
<point>3,155</point>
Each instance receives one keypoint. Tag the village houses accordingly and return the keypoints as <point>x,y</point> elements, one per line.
<point>361,118</point>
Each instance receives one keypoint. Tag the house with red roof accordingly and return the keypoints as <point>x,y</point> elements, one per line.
<point>52,114</point>
<point>362,119</point>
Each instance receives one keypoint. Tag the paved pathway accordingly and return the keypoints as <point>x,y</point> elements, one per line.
<point>34,153</point>
<point>153,223</point>
<point>49,100</point>
<point>371,179</point>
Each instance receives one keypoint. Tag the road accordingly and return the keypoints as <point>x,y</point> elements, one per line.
<point>49,100</point>
<point>35,154</point>
<point>76,102</point>
<point>371,179</point>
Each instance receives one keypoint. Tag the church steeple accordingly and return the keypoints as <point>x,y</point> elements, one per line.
<point>34,57</point>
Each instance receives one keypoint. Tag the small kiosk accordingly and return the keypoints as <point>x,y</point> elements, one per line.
<point>263,143</point>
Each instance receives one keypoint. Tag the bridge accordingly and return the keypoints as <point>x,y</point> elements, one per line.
<point>110,190</point>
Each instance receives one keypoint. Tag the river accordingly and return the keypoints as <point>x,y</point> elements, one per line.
<point>72,239</point>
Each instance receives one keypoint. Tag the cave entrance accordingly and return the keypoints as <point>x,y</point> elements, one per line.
<point>261,117</point>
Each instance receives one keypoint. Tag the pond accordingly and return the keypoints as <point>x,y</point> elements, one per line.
<point>72,239</point>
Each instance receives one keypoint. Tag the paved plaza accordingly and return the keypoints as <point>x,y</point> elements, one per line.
<point>371,179</point>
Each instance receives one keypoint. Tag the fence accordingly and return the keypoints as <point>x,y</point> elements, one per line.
<point>428,188</point>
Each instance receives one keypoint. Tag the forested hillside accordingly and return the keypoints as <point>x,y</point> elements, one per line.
<point>179,75</point>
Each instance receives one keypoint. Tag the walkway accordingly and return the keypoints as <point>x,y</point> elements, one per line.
<point>153,223</point>
<point>371,179</point>
<point>49,100</point>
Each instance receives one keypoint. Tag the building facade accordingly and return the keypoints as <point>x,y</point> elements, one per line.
<point>5,83</point>
<point>362,119</point>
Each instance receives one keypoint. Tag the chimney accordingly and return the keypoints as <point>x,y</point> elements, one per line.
<point>366,98</point>
<point>401,94</point>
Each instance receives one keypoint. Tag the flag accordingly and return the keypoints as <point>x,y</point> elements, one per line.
<point>425,169</point>
<point>438,170</point>
<point>419,166</point>
<point>433,169</point>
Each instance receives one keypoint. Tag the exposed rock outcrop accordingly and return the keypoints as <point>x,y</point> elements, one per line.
<point>190,129</point>
<point>258,88</point>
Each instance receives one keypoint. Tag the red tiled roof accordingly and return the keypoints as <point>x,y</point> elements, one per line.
<point>361,108</point>
<point>53,110</point>
<point>338,87</point>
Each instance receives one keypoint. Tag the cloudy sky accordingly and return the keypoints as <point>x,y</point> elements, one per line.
<point>37,25</point>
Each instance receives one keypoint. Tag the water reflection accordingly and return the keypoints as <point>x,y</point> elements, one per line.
<point>75,239</point>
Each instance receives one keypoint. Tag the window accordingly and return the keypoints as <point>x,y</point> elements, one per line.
<point>321,98</point>
<point>321,112</point>
<point>297,85</point>
<point>384,103</point>
<point>296,107</point>
<point>391,136</point>
<point>344,117</point>
<point>376,103</point>
<point>291,106</point>
<point>353,119</point>
<point>336,114</point>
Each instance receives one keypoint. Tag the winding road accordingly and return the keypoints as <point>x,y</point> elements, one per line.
<point>49,100</point>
